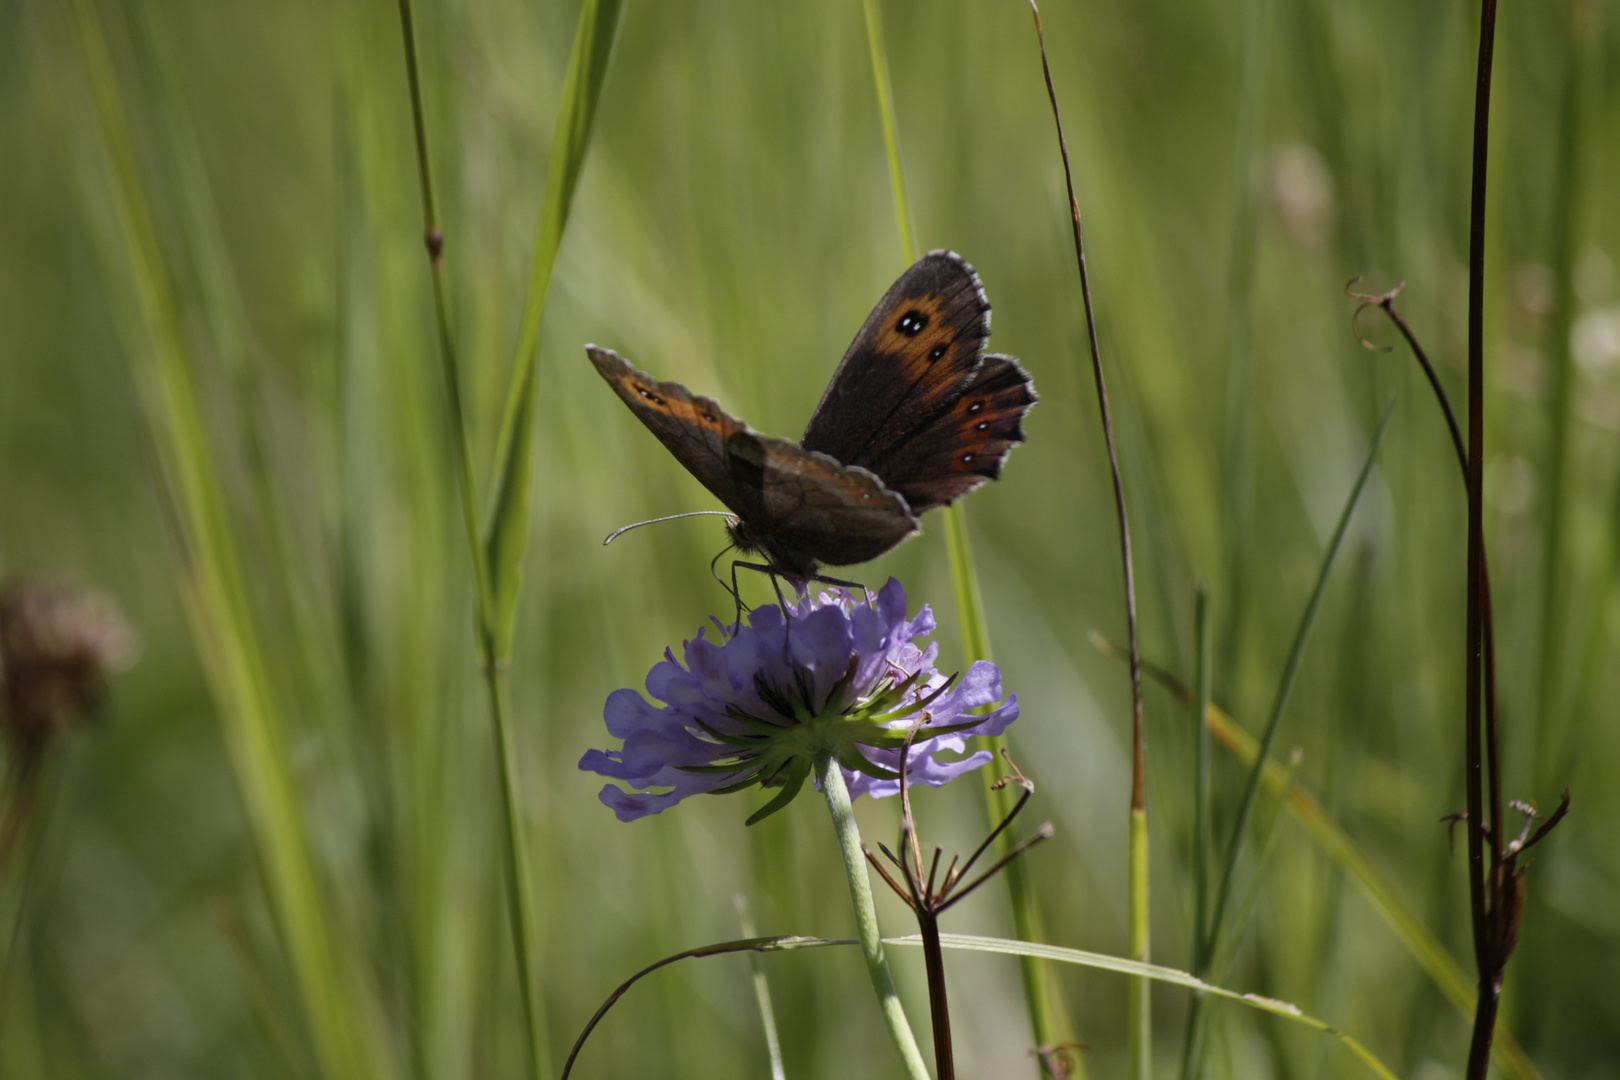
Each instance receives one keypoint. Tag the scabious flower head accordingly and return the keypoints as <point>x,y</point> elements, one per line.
<point>841,677</point>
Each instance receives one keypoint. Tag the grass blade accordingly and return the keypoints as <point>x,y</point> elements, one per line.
<point>1375,888</point>
<point>1296,653</point>
<point>1203,833</point>
<point>508,535</point>
<point>1337,845</point>
<point>216,601</point>
<point>762,994</point>
<point>1140,970</point>
<point>497,556</point>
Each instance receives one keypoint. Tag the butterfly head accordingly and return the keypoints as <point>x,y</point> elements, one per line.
<point>792,566</point>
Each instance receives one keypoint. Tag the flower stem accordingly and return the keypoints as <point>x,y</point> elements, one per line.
<point>939,1007</point>
<point>831,779</point>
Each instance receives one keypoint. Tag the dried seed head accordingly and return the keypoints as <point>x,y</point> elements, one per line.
<point>57,647</point>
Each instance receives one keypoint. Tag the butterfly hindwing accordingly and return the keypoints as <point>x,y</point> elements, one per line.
<point>836,514</point>
<point>924,339</point>
<point>960,448</point>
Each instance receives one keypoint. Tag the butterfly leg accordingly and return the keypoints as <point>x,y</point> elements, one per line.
<point>732,588</point>
<point>787,618</point>
<point>841,583</point>
<point>776,583</point>
<point>760,568</point>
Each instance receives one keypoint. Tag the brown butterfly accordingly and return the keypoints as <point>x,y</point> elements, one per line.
<point>915,416</point>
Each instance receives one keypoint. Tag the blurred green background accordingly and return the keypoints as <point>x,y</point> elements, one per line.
<point>1236,163</point>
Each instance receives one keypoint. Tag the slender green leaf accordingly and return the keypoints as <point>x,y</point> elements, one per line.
<point>762,995</point>
<point>216,599</point>
<point>1003,947</point>
<point>508,535</point>
<point>1103,962</point>
<point>1285,685</point>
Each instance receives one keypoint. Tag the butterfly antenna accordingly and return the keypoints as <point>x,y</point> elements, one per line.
<point>621,530</point>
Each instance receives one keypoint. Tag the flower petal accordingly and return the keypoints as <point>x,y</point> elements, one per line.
<point>627,712</point>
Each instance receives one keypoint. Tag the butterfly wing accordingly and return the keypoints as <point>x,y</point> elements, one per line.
<point>694,429</point>
<point>799,506</point>
<point>954,451</point>
<point>818,509</point>
<point>909,362</point>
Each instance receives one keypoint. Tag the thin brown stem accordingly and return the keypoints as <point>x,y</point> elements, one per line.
<point>1138,775</point>
<point>1386,303</point>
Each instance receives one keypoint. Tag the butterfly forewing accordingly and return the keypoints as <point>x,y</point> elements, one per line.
<point>964,446</point>
<point>694,429</point>
<point>924,339</point>
<point>800,507</point>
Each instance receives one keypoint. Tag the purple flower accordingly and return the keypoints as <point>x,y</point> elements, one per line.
<point>842,678</point>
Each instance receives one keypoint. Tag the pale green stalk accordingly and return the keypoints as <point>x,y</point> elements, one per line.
<point>214,589</point>
<point>1139,1005</point>
<point>891,136</point>
<point>762,995</point>
<point>1203,836</point>
<point>520,896</point>
<point>1238,464</point>
<point>831,779</point>
<point>1040,993</point>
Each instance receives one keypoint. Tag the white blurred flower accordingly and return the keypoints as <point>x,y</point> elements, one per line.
<point>1300,188</point>
<point>1594,341</point>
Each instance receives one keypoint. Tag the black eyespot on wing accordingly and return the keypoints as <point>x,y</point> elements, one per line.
<point>895,376</point>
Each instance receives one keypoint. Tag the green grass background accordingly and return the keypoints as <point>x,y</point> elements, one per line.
<point>1236,163</point>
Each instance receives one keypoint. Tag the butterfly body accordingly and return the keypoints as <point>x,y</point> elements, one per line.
<point>915,416</point>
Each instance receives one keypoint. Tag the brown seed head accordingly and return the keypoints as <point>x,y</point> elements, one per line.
<point>57,647</point>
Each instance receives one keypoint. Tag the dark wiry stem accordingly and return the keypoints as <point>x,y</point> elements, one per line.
<point>1137,877</point>
<point>928,903</point>
<point>1486,950</point>
<point>1138,783</point>
<point>1386,303</point>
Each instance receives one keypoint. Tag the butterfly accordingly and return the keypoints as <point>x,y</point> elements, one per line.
<point>915,416</point>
